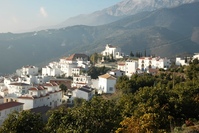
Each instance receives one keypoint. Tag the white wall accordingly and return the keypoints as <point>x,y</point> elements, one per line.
<point>4,113</point>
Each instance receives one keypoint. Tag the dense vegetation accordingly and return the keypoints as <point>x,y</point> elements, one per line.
<point>165,102</point>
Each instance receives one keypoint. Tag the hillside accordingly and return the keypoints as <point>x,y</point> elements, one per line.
<point>121,10</point>
<point>164,32</point>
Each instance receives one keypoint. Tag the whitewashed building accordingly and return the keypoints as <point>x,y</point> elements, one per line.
<point>27,70</point>
<point>84,92</point>
<point>51,71</point>
<point>7,108</point>
<point>111,50</point>
<point>180,61</point>
<point>48,94</point>
<point>145,63</point>
<point>117,73</point>
<point>106,83</point>
<point>129,67</point>
<point>196,56</point>
<point>67,66</point>
<point>81,80</point>
<point>18,89</point>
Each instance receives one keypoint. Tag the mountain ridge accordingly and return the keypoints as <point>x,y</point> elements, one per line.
<point>121,10</point>
<point>159,32</point>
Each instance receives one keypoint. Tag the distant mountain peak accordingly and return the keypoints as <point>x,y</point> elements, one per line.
<point>130,7</point>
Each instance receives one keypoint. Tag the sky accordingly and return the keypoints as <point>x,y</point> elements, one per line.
<point>22,15</point>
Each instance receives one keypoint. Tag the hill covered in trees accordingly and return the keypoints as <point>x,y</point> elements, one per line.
<point>163,32</point>
<point>165,102</point>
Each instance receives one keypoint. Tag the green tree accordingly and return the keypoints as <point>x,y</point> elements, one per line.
<point>23,122</point>
<point>63,88</point>
<point>131,54</point>
<point>94,58</point>
<point>94,72</point>
<point>95,116</point>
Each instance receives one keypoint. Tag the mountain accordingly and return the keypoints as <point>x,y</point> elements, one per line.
<point>121,10</point>
<point>163,32</point>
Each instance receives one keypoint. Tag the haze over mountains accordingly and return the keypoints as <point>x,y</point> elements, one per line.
<point>163,32</point>
<point>121,10</point>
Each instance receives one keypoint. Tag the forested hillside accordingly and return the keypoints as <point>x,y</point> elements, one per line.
<point>163,32</point>
<point>166,102</point>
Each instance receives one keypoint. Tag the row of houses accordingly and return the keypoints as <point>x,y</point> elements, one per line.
<point>31,89</point>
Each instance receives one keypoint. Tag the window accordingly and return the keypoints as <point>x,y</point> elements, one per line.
<point>110,88</point>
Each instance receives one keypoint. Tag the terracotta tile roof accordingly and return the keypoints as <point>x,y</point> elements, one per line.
<point>121,64</point>
<point>48,84</point>
<point>51,84</point>
<point>74,56</point>
<point>33,89</point>
<point>41,87</point>
<point>9,105</point>
<point>19,84</point>
<point>107,76</point>
<point>27,96</point>
<point>37,88</point>
<point>54,84</point>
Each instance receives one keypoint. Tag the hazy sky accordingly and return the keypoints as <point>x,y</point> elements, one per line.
<point>19,15</point>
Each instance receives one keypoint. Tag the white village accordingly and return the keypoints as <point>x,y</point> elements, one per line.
<point>30,89</point>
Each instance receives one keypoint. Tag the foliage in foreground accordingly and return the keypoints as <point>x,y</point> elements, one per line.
<point>160,103</point>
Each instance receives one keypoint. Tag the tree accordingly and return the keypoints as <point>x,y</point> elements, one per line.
<point>55,119</point>
<point>94,72</point>
<point>123,83</point>
<point>23,122</point>
<point>95,116</point>
<point>131,54</point>
<point>94,58</point>
<point>145,53</point>
<point>63,88</point>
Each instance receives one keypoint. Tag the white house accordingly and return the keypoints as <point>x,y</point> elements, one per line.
<point>39,79</point>
<point>196,56</point>
<point>76,71</point>
<point>106,83</point>
<point>18,89</point>
<point>129,67</point>
<point>84,92</point>
<point>48,94</point>
<point>117,73</point>
<point>81,80</point>
<point>67,66</point>
<point>27,70</point>
<point>51,71</point>
<point>145,63</point>
<point>180,61</point>
<point>111,50</point>
<point>76,58</point>
<point>7,108</point>
<point>3,91</point>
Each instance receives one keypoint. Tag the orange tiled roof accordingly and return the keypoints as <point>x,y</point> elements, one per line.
<point>9,105</point>
<point>107,76</point>
<point>74,56</point>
